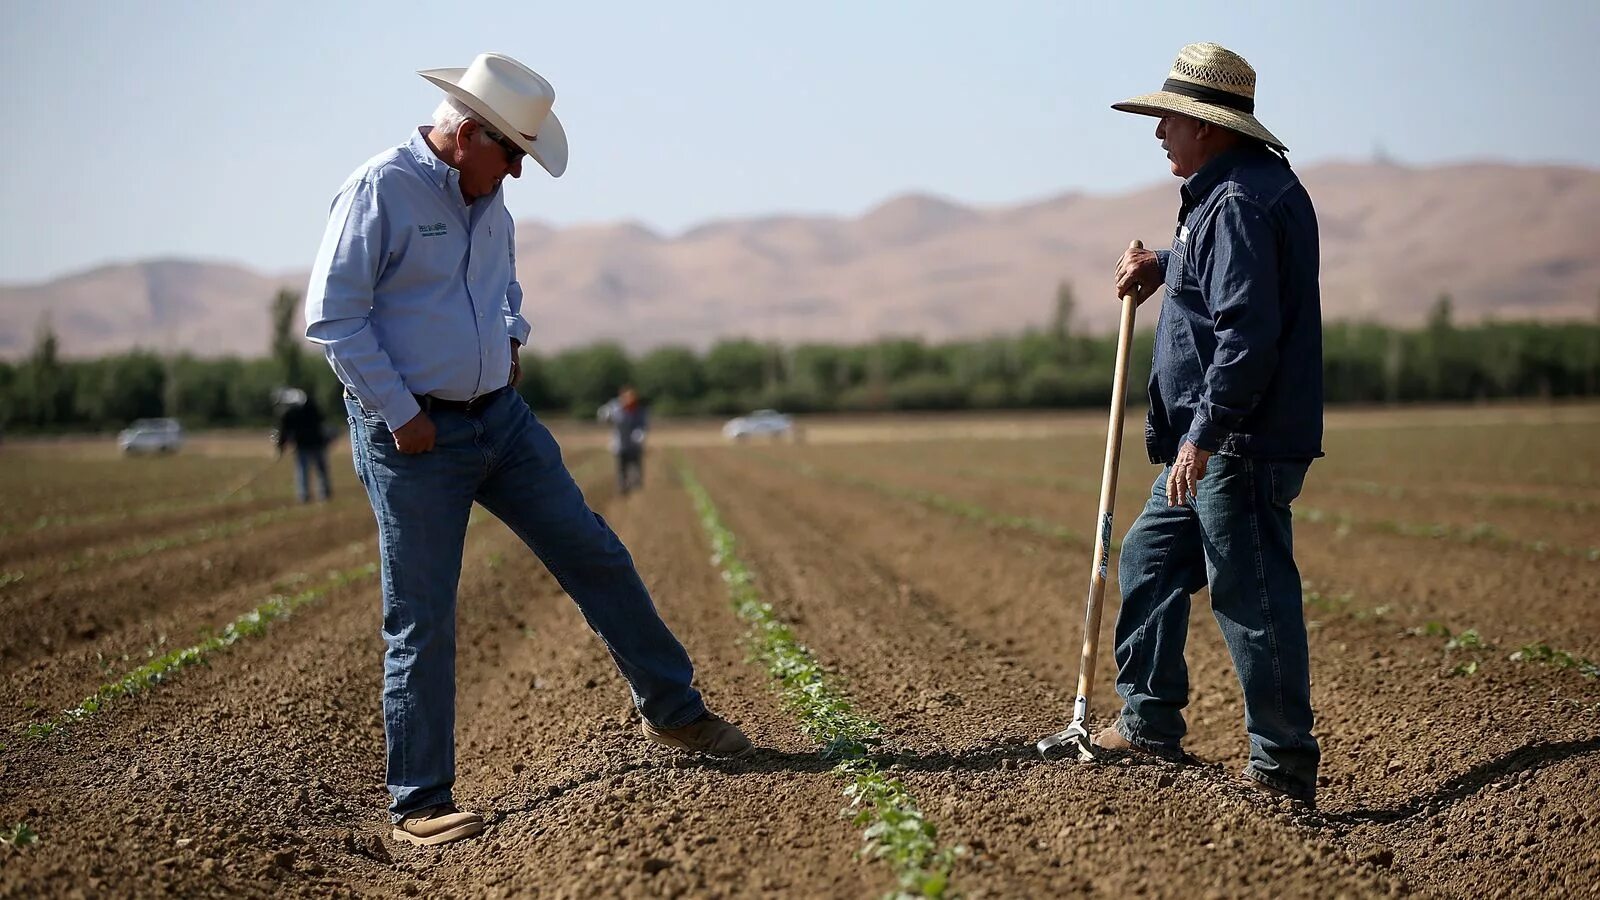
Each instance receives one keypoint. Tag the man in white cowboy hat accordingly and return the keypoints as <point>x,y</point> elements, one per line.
<point>1235,419</point>
<point>415,300</point>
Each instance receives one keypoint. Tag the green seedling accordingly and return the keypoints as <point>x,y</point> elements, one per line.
<point>1430,629</point>
<point>18,835</point>
<point>1466,668</point>
<point>894,828</point>
<point>1543,654</point>
<point>159,668</point>
<point>1466,640</point>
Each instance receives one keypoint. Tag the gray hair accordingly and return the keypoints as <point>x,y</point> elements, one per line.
<point>451,113</point>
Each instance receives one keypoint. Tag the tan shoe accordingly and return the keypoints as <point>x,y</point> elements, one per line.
<point>437,825</point>
<point>710,734</point>
<point>1109,738</point>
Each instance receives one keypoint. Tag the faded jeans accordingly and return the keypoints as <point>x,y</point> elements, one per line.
<point>502,457</point>
<point>1235,536</point>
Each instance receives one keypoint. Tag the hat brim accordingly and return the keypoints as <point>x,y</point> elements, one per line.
<point>1162,103</point>
<point>549,147</point>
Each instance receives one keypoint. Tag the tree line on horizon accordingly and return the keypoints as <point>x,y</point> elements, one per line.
<point>1053,367</point>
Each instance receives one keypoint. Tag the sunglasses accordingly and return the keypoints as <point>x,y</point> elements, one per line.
<point>512,150</point>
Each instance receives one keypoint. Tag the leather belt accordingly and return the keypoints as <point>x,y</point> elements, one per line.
<point>476,404</point>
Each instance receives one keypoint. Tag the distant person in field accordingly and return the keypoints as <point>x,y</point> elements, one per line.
<point>630,423</point>
<point>300,423</point>
<point>1235,417</point>
<point>415,300</point>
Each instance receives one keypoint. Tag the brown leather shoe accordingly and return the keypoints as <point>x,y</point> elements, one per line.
<point>1109,738</point>
<point>710,734</point>
<point>437,825</point>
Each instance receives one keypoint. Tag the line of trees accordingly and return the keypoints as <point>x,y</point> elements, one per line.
<point>1050,367</point>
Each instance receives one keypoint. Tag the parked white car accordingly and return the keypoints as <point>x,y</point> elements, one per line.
<point>762,421</point>
<point>151,436</point>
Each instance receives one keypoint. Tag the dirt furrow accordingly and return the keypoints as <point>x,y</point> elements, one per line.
<point>963,713</point>
<point>1387,705</point>
<point>69,611</point>
<point>1413,580</point>
<point>261,774</point>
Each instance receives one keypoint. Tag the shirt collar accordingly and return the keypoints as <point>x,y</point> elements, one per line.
<point>1200,183</point>
<point>435,168</point>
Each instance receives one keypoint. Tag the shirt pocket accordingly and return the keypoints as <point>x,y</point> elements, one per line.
<point>1175,266</point>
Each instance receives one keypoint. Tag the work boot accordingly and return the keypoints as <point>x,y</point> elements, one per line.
<point>437,825</point>
<point>1301,800</point>
<point>710,734</point>
<point>1109,738</point>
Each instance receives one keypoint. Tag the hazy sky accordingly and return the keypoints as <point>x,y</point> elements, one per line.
<point>221,130</point>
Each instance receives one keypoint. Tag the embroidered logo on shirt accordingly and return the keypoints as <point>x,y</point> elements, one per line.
<point>433,230</point>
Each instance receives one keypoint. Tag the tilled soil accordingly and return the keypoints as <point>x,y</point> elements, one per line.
<point>261,774</point>
<point>1391,718</point>
<point>1447,771</point>
<point>1415,579</point>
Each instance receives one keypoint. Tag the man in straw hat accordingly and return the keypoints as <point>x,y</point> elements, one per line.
<point>1235,417</point>
<point>415,300</point>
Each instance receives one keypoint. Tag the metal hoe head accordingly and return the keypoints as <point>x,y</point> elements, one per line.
<point>1074,741</point>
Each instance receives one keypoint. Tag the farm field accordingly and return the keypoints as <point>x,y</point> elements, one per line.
<point>192,668</point>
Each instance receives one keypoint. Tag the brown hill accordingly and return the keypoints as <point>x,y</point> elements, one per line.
<point>1508,241</point>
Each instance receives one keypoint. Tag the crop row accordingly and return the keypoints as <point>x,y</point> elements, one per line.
<point>894,827</point>
<point>1538,653</point>
<point>1482,533</point>
<point>252,623</point>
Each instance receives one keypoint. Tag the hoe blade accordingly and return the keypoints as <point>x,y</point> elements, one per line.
<point>1074,742</point>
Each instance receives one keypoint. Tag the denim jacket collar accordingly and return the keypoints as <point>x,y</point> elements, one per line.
<point>1197,186</point>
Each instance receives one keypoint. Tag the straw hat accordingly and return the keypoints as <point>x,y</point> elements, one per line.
<point>1212,84</point>
<point>514,100</point>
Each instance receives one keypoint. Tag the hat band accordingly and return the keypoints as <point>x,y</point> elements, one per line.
<point>1209,95</point>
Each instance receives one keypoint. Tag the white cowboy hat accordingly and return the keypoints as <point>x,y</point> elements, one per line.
<point>514,100</point>
<point>1211,83</point>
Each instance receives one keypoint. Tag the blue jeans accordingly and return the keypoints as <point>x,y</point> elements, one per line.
<point>502,457</point>
<point>1235,536</point>
<point>306,459</point>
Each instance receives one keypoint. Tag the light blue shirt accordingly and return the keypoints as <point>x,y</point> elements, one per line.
<point>414,291</point>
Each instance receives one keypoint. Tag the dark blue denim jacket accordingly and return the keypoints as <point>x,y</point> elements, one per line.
<point>1238,353</point>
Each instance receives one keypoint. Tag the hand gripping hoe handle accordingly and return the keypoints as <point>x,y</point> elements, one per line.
<point>1076,737</point>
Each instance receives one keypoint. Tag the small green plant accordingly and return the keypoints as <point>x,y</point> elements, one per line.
<point>896,831</point>
<point>9,578</point>
<point>1430,629</point>
<point>1466,640</point>
<point>1466,668</point>
<point>159,668</point>
<point>894,828</point>
<point>1543,654</point>
<point>18,835</point>
<point>39,730</point>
